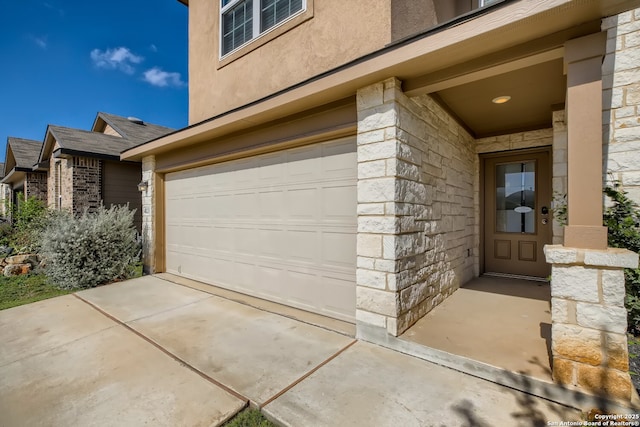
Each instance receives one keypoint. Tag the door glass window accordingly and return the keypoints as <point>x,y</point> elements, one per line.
<point>515,197</point>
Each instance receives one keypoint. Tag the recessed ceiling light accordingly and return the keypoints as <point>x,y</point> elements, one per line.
<point>501,99</point>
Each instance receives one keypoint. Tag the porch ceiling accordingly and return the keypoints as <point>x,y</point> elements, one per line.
<point>534,92</point>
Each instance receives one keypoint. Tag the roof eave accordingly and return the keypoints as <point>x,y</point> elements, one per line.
<point>67,152</point>
<point>469,39</point>
<point>13,176</point>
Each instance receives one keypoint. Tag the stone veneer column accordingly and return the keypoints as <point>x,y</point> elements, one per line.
<point>589,320</point>
<point>377,299</point>
<point>416,216</point>
<point>148,215</point>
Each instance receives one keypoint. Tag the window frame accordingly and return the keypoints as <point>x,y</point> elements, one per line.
<point>256,16</point>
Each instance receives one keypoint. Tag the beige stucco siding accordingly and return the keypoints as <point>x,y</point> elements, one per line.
<point>358,27</point>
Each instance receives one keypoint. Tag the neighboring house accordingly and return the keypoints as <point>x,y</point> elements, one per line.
<point>364,159</point>
<point>20,178</point>
<point>84,169</point>
<point>5,195</point>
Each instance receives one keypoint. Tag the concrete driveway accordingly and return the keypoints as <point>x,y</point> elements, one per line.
<point>152,352</point>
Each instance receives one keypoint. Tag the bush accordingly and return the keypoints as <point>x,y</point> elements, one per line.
<point>92,249</point>
<point>6,232</point>
<point>29,217</point>
<point>622,219</point>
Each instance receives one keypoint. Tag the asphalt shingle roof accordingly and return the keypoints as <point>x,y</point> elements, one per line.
<point>89,142</point>
<point>137,133</point>
<point>25,151</point>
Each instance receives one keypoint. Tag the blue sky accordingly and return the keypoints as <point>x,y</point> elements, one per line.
<point>63,61</point>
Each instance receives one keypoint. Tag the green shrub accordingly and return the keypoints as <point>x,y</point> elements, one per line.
<point>29,217</point>
<point>87,251</point>
<point>6,231</point>
<point>622,219</point>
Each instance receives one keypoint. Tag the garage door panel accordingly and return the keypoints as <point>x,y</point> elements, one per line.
<point>303,164</point>
<point>338,161</point>
<point>341,290</point>
<point>302,246</point>
<point>271,204</point>
<point>272,243</point>
<point>280,226</point>
<point>221,206</point>
<point>337,250</point>
<point>302,203</point>
<point>338,203</point>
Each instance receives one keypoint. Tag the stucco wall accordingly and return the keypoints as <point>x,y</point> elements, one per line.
<point>416,207</point>
<point>358,27</point>
<point>621,101</point>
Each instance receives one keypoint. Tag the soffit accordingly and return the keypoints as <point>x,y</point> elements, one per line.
<point>533,90</point>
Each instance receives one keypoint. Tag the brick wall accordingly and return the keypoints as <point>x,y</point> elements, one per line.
<point>86,184</point>
<point>416,207</point>
<point>36,185</point>
<point>621,100</point>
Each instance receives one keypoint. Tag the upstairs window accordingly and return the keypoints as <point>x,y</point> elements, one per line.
<point>244,20</point>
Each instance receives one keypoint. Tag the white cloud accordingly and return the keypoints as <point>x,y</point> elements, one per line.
<point>153,48</point>
<point>52,7</point>
<point>120,58</point>
<point>157,77</point>
<point>40,41</point>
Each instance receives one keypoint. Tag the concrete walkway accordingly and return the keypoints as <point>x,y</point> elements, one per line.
<point>152,352</point>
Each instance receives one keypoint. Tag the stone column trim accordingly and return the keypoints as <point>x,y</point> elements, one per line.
<point>610,257</point>
<point>589,319</point>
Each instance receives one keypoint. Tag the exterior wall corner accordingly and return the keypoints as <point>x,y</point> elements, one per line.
<point>148,215</point>
<point>416,207</point>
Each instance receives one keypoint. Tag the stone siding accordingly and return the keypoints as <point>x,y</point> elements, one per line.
<point>5,200</point>
<point>36,185</point>
<point>87,175</point>
<point>148,215</point>
<point>589,320</point>
<point>621,101</point>
<point>515,141</point>
<point>416,207</point>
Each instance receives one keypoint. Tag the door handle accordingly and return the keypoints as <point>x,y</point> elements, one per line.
<point>544,210</point>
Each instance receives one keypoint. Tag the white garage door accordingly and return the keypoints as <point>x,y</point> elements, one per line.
<point>280,226</point>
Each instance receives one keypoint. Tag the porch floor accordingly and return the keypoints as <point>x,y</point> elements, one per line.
<point>503,322</point>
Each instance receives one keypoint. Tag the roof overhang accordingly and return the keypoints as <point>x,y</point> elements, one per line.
<point>16,175</point>
<point>41,167</point>
<point>65,153</point>
<point>483,40</point>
